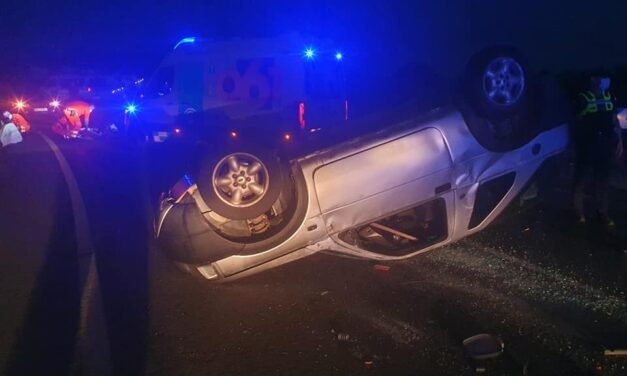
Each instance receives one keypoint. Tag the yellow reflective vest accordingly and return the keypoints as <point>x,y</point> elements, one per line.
<point>594,104</point>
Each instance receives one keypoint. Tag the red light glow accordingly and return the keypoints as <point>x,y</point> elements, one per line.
<point>19,104</point>
<point>301,114</point>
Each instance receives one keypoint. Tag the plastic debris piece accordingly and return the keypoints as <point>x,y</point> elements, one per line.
<point>382,268</point>
<point>616,352</point>
<point>483,346</point>
<point>343,337</point>
<point>324,292</point>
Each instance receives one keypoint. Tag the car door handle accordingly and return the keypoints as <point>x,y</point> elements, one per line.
<point>442,188</point>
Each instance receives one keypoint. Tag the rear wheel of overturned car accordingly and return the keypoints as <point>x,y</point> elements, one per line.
<point>242,183</point>
<point>497,90</point>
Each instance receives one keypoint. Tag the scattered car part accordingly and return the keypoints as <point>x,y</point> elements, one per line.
<point>483,346</point>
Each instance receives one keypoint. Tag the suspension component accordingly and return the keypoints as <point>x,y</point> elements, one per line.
<point>258,225</point>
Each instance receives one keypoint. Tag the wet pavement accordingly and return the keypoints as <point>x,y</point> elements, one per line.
<point>552,291</point>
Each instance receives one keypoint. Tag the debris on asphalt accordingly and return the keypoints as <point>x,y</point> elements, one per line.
<point>483,346</point>
<point>324,292</point>
<point>382,268</point>
<point>616,352</point>
<point>343,337</point>
<point>368,363</point>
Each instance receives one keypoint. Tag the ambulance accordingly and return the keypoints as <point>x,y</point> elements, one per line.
<point>268,90</point>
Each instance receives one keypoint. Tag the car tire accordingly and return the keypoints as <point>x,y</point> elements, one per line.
<point>186,237</point>
<point>497,91</point>
<point>241,182</point>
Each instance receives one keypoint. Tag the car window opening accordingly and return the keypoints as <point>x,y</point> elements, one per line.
<point>403,233</point>
<point>489,194</point>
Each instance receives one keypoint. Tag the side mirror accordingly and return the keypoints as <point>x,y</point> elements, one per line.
<point>483,346</point>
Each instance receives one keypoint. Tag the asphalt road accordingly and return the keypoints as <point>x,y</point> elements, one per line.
<point>112,304</point>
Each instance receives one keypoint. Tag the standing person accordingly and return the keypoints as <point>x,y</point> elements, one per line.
<point>9,134</point>
<point>598,143</point>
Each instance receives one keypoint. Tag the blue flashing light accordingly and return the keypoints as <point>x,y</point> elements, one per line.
<point>310,53</point>
<point>131,108</point>
<point>339,56</point>
<point>187,40</point>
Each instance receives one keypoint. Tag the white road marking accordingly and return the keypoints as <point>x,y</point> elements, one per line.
<point>92,344</point>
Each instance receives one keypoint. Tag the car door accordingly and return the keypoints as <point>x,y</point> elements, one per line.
<point>385,178</point>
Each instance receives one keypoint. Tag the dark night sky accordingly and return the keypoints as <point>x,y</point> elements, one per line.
<point>128,36</point>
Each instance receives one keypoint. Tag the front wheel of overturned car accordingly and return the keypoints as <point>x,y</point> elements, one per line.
<point>242,183</point>
<point>188,238</point>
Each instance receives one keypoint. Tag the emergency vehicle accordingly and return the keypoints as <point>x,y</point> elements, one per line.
<point>270,90</point>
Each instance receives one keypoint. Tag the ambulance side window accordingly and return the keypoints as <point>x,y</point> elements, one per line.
<point>324,81</point>
<point>161,84</point>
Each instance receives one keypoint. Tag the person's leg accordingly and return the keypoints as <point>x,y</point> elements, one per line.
<point>581,169</point>
<point>75,126</point>
<point>4,167</point>
<point>602,166</point>
<point>59,127</point>
<point>82,120</point>
<point>8,162</point>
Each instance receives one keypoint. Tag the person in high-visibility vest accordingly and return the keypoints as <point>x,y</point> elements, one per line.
<point>598,144</point>
<point>21,123</point>
<point>75,116</point>
<point>80,110</point>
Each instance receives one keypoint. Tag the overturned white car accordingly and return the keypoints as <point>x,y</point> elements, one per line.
<point>407,187</point>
